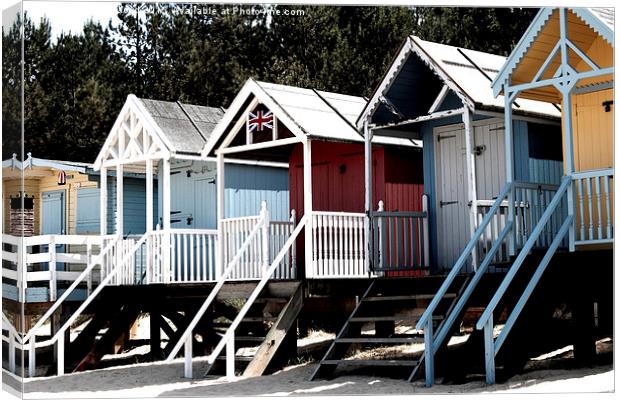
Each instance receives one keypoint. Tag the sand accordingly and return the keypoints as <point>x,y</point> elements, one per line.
<point>545,374</point>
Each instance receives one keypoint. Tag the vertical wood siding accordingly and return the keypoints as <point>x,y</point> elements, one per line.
<point>593,130</point>
<point>246,187</point>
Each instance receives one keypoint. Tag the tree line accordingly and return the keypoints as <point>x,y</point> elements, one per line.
<point>75,84</point>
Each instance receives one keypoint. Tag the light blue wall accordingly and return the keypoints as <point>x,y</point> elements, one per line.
<point>526,168</point>
<point>134,207</point>
<point>245,187</point>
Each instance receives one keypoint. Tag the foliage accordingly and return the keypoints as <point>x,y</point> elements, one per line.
<point>75,84</point>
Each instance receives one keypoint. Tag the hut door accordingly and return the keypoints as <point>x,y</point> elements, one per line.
<point>205,204</point>
<point>53,218</point>
<point>490,156</point>
<point>451,200</point>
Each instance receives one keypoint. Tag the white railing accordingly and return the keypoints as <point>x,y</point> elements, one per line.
<point>192,255</point>
<point>252,263</point>
<point>29,343</point>
<point>531,200</point>
<point>593,192</point>
<point>399,239</point>
<point>338,245</point>
<point>259,229</point>
<point>41,257</point>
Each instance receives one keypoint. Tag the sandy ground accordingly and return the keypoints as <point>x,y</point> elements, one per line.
<point>551,373</point>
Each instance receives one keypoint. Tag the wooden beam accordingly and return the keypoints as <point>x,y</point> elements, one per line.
<point>119,199</point>
<point>440,98</point>
<point>103,201</point>
<point>166,219</point>
<point>307,149</point>
<point>368,133</point>
<point>470,160</point>
<point>423,118</point>
<point>259,146</point>
<point>276,335</point>
<point>220,180</point>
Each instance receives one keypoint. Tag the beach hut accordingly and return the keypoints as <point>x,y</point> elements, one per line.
<point>440,96</point>
<point>314,133</point>
<point>53,207</point>
<point>565,58</point>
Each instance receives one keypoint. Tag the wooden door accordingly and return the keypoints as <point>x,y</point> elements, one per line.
<point>593,127</point>
<point>451,200</point>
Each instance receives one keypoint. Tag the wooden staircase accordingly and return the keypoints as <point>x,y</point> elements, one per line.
<point>391,306</point>
<point>266,335</point>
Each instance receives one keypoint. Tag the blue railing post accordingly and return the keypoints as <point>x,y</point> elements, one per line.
<point>429,353</point>
<point>489,351</point>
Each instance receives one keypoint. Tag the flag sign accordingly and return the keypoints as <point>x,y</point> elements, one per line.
<point>260,121</point>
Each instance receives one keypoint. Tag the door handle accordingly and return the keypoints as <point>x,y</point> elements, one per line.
<point>447,203</point>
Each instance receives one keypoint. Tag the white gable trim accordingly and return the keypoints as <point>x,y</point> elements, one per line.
<point>411,45</point>
<point>250,88</point>
<point>133,106</point>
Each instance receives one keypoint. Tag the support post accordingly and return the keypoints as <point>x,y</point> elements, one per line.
<point>166,221</point>
<point>103,202</point>
<point>567,111</point>
<point>429,353</point>
<point>567,120</point>
<point>32,359</point>
<point>188,357</point>
<point>11,352</point>
<point>230,356</point>
<point>381,231</point>
<point>425,232</point>
<point>155,331</point>
<point>52,267</point>
<point>294,247</point>
<point>368,193</point>
<point>60,355</point>
<point>119,200</point>
<point>489,351</point>
<point>509,151</point>
<point>265,232</point>
<point>220,179</point>
<point>308,205</point>
<point>470,160</point>
<point>149,218</point>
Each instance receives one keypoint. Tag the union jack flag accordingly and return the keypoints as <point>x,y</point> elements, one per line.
<point>260,121</point>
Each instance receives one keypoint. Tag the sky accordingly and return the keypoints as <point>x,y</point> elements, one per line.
<point>70,16</point>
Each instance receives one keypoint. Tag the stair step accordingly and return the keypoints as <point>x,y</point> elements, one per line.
<point>376,363</point>
<point>259,319</point>
<point>407,297</point>
<point>244,359</point>
<point>258,339</point>
<point>271,300</point>
<point>392,318</point>
<point>372,339</point>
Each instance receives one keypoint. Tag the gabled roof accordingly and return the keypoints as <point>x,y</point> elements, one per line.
<point>172,128</point>
<point>601,20</point>
<point>305,112</point>
<point>186,127</point>
<point>467,73</point>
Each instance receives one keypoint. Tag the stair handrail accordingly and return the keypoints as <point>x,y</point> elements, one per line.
<point>214,292</point>
<point>527,247</point>
<point>61,331</point>
<point>96,261</point>
<point>426,317</point>
<point>229,335</point>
